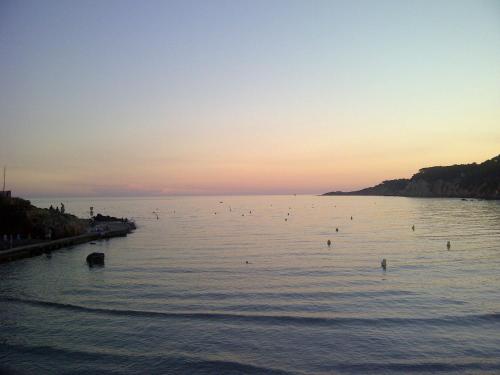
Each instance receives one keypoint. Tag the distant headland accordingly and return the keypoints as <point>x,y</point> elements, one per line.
<point>481,181</point>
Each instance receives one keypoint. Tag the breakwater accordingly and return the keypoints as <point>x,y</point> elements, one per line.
<point>109,230</point>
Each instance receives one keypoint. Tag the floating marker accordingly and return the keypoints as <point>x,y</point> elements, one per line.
<point>328,243</point>
<point>448,245</point>
<point>336,229</point>
<point>384,264</point>
<point>413,228</point>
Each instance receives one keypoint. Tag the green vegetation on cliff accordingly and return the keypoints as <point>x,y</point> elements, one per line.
<point>457,181</point>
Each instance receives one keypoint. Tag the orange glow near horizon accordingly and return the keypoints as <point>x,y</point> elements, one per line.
<point>213,100</point>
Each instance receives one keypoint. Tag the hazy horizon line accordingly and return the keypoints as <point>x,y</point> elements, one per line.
<point>164,195</point>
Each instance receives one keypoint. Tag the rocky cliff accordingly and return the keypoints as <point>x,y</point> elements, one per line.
<point>457,181</point>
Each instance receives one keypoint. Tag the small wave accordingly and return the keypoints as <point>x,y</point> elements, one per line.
<point>230,367</point>
<point>102,362</point>
<point>405,368</point>
<point>304,296</point>
<point>156,363</point>
<point>266,319</point>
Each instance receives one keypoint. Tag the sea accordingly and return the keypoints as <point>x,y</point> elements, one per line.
<point>249,285</point>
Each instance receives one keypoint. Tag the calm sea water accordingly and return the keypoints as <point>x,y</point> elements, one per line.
<point>177,296</point>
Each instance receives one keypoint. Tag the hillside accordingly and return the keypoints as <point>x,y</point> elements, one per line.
<point>455,181</point>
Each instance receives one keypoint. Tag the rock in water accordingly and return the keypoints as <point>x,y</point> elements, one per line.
<point>95,259</point>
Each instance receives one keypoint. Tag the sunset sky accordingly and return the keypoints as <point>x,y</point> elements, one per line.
<point>213,97</point>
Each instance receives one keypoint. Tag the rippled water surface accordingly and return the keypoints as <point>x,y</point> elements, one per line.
<point>178,296</point>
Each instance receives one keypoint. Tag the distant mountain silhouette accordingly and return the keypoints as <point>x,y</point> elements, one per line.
<point>454,181</point>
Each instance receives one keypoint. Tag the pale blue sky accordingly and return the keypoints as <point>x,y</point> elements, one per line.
<point>202,97</point>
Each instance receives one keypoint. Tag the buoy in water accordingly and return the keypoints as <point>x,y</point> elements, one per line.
<point>336,229</point>
<point>329,243</point>
<point>413,228</point>
<point>351,217</point>
<point>448,245</point>
<point>384,264</point>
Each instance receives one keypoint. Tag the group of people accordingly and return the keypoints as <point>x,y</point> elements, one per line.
<point>62,210</point>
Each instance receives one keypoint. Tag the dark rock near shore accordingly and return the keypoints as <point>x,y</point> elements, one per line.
<point>106,218</point>
<point>99,220</point>
<point>95,259</point>
<point>455,181</point>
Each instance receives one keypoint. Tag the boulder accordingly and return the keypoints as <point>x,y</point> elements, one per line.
<point>95,259</point>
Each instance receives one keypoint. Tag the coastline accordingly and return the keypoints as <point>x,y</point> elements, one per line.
<point>29,231</point>
<point>465,181</point>
<point>357,194</point>
<point>109,230</point>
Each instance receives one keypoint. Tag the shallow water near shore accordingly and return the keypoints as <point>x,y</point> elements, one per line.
<point>178,296</point>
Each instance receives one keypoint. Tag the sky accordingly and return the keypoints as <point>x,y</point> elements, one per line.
<point>139,98</point>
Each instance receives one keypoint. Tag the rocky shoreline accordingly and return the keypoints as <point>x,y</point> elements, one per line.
<point>479,181</point>
<point>27,230</point>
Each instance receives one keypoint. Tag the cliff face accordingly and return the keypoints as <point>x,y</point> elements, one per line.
<point>458,181</point>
